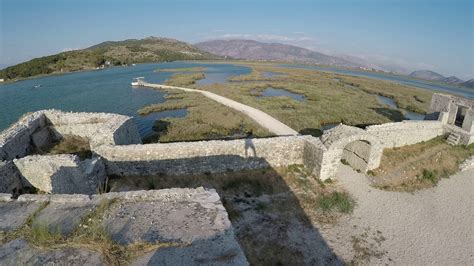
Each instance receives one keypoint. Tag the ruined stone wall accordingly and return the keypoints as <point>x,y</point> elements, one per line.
<point>357,154</point>
<point>406,132</point>
<point>99,128</point>
<point>207,156</point>
<point>61,174</point>
<point>16,141</point>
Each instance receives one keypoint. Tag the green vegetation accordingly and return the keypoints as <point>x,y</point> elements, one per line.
<point>330,98</point>
<point>206,118</point>
<point>117,53</point>
<point>419,166</point>
<point>336,200</point>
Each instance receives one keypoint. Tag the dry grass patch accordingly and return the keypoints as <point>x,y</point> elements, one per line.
<point>419,166</point>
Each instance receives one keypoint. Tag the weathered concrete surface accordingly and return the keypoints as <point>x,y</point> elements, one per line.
<point>19,252</point>
<point>10,180</point>
<point>62,174</point>
<point>13,214</point>
<point>220,250</point>
<point>192,218</point>
<point>262,118</point>
<point>63,217</point>
<point>193,221</point>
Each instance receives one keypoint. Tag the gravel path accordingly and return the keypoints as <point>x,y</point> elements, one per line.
<point>262,118</point>
<point>430,227</point>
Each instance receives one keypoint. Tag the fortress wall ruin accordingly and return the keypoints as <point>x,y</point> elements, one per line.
<point>41,128</point>
<point>403,133</point>
<point>186,158</point>
<point>59,173</point>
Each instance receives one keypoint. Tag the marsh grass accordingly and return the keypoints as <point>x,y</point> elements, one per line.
<point>419,166</point>
<point>330,98</point>
<point>206,119</point>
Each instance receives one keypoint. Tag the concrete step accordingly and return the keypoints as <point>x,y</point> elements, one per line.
<point>453,139</point>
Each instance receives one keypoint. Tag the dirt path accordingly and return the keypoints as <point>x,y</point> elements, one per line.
<point>430,227</point>
<point>262,118</point>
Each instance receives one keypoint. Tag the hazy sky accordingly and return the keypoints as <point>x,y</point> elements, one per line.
<point>435,35</point>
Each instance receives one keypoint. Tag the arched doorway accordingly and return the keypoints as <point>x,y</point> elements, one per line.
<point>350,145</point>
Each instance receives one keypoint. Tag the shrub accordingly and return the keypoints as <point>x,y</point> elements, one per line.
<point>336,200</point>
<point>431,176</point>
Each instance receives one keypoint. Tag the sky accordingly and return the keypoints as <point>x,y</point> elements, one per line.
<point>405,34</point>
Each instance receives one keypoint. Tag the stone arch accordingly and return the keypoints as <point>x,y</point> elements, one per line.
<point>361,150</point>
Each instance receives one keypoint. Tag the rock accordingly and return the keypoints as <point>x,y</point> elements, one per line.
<point>19,252</point>
<point>63,217</point>
<point>467,164</point>
<point>15,213</point>
<point>10,180</point>
<point>62,174</point>
<point>219,250</point>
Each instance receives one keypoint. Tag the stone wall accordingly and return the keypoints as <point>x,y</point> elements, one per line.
<point>357,154</point>
<point>10,179</point>
<point>406,132</point>
<point>208,156</point>
<point>41,128</point>
<point>61,174</point>
<point>16,141</point>
<point>98,128</point>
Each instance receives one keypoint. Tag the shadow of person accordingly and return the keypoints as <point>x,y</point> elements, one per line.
<point>249,145</point>
<point>267,211</point>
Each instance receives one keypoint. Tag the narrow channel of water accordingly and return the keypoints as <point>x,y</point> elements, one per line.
<point>408,114</point>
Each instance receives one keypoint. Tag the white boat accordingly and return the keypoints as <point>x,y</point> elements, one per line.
<point>137,81</point>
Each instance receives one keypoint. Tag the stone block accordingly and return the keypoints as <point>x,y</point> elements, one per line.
<point>15,213</point>
<point>63,217</point>
<point>62,174</point>
<point>10,179</point>
<point>19,252</point>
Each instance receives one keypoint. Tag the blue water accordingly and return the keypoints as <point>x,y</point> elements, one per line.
<point>272,92</point>
<point>107,90</point>
<point>218,73</point>
<point>465,92</point>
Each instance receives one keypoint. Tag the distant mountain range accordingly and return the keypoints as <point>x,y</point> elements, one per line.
<point>253,50</point>
<point>156,49</point>
<point>433,76</point>
<point>151,49</point>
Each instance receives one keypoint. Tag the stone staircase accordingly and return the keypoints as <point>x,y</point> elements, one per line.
<point>453,139</point>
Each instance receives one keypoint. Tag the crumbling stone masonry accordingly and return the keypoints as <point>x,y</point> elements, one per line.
<point>193,222</point>
<point>115,143</point>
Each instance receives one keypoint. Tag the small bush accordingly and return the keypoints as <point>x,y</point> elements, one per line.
<point>339,201</point>
<point>343,161</point>
<point>431,176</point>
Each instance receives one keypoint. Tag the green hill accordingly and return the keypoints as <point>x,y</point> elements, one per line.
<point>151,49</point>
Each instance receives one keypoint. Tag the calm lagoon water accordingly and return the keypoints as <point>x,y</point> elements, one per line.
<point>107,90</point>
<point>408,114</point>
<point>465,92</point>
<point>275,92</point>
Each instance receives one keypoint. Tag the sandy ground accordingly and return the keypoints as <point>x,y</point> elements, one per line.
<point>429,227</point>
<point>262,118</point>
